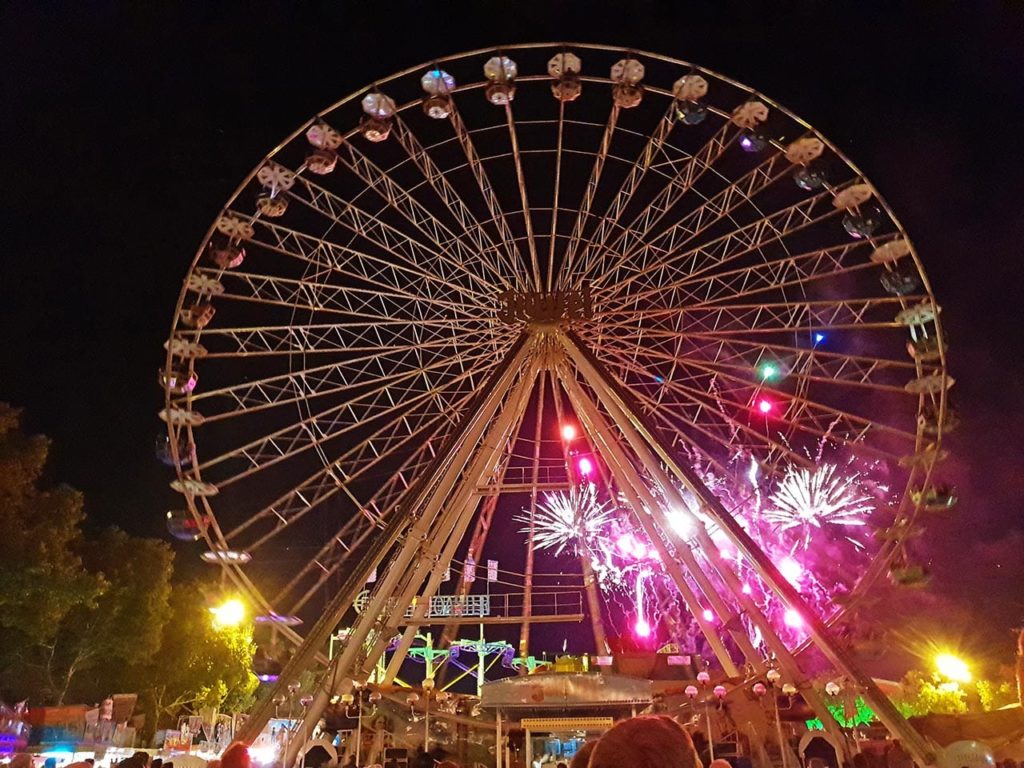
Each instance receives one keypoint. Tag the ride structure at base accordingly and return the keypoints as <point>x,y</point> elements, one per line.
<point>620,331</point>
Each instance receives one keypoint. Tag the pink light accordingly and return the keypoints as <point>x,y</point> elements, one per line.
<point>642,628</point>
<point>586,466</point>
<point>708,615</point>
<point>792,618</point>
<point>764,406</point>
<point>746,589</point>
<point>568,432</point>
<point>791,570</point>
<point>627,544</point>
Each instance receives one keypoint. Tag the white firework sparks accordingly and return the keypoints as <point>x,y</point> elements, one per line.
<point>569,519</point>
<point>812,499</point>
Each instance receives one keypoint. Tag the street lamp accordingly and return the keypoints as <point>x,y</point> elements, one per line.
<point>953,668</point>
<point>428,689</point>
<point>773,676</point>
<point>704,677</point>
<point>230,613</point>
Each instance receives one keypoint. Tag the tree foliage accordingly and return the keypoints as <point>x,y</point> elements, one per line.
<point>198,665</point>
<point>41,573</point>
<point>124,625</point>
<point>997,693</point>
<point>923,695</point>
<point>83,618</point>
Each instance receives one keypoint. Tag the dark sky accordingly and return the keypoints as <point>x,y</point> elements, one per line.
<point>126,127</point>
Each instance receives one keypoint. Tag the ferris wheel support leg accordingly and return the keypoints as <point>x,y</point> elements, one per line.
<point>478,413</point>
<point>464,504</point>
<point>590,584</point>
<point>643,450</point>
<point>638,496</point>
<point>427,507</point>
<point>594,607</point>
<point>524,630</point>
<point>619,401</point>
<point>476,544</point>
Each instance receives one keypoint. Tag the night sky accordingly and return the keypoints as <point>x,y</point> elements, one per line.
<point>126,128</point>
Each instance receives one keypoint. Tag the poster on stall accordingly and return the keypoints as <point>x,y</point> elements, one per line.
<point>176,741</point>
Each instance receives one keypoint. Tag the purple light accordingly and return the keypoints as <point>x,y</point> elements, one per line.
<point>642,628</point>
<point>792,618</point>
<point>586,466</point>
<point>746,142</point>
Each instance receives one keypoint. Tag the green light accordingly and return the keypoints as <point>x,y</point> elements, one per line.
<point>863,716</point>
<point>769,371</point>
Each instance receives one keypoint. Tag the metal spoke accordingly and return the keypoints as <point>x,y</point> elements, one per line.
<point>531,242</point>
<point>691,225</point>
<point>600,158</point>
<point>687,173</point>
<point>505,238</point>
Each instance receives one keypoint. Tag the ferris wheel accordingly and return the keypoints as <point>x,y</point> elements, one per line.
<point>579,298</point>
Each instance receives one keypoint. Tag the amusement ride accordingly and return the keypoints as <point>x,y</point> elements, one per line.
<point>591,350</point>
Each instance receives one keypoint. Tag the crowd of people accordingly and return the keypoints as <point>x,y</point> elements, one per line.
<point>653,741</point>
<point>235,756</point>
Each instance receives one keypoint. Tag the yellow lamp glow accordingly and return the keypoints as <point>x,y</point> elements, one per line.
<point>952,668</point>
<point>230,613</point>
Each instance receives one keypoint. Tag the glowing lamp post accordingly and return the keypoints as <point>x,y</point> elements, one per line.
<point>348,699</point>
<point>773,676</point>
<point>428,689</point>
<point>952,668</point>
<point>230,613</point>
<point>703,677</point>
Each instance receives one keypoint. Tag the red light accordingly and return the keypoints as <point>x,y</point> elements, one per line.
<point>568,432</point>
<point>586,466</point>
<point>764,406</point>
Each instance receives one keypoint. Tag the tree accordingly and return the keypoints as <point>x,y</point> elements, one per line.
<point>123,626</point>
<point>923,695</point>
<point>41,575</point>
<point>198,665</point>
<point>995,694</point>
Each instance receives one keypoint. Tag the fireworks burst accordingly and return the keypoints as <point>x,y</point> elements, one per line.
<point>807,499</point>
<point>569,519</point>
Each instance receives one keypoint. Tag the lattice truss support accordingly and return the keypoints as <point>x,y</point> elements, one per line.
<point>435,513</point>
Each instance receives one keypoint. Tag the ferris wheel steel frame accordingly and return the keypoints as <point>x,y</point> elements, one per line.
<point>445,272</point>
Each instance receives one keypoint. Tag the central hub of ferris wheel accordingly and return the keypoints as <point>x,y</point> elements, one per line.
<point>545,308</point>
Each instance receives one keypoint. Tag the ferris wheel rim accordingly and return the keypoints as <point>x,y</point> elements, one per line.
<point>218,540</point>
